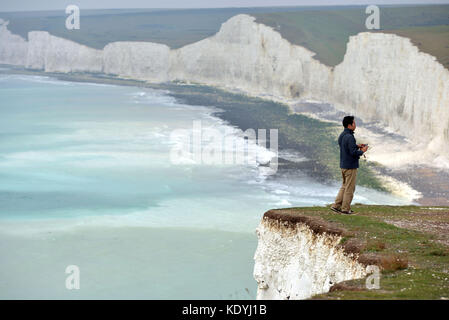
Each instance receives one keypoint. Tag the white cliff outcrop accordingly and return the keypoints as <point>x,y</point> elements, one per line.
<point>13,48</point>
<point>253,58</point>
<point>54,54</point>
<point>383,77</point>
<point>294,260</point>
<point>138,60</point>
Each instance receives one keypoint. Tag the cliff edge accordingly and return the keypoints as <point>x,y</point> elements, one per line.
<point>314,253</point>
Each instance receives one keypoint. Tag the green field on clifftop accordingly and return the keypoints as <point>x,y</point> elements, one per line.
<point>412,242</point>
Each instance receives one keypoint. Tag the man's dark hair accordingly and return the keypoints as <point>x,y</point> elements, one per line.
<point>347,121</point>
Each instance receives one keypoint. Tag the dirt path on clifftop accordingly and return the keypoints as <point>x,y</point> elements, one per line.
<point>431,220</point>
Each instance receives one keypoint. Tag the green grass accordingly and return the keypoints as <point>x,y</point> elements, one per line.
<point>427,274</point>
<point>410,284</point>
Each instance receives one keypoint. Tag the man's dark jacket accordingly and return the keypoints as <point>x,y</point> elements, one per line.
<point>349,153</point>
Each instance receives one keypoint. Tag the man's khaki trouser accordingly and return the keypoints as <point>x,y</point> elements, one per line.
<point>346,193</point>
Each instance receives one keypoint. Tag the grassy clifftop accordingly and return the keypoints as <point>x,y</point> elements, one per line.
<point>410,243</point>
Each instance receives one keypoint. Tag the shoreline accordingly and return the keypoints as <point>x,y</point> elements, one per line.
<point>422,180</point>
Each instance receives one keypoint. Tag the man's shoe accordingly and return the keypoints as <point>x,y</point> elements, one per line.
<point>348,212</point>
<point>335,210</point>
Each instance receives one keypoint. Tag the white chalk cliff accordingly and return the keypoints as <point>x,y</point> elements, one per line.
<point>383,77</point>
<point>54,54</point>
<point>292,261</point>
<point>13,48</point>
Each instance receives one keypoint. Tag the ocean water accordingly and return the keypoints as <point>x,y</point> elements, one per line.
<point>88,178</point>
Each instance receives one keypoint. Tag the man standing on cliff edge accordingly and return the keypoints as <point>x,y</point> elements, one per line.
<point>349,162</point>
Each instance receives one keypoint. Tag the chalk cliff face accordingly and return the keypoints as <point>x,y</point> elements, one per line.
<point>385,77</point>
<point>54,54</point>
<point>382,77</point>
<point>13,48</point>
<point>137,60</point>
<point>254,58</point>
<point>38,42</point>
<point>293,261</point>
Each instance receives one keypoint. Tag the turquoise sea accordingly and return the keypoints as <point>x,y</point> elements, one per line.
<point>86,179</point>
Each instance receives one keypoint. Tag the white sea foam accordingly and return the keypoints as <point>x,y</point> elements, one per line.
<point>292,155</point>
<point>154,97</point>
<point>39,79</point>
